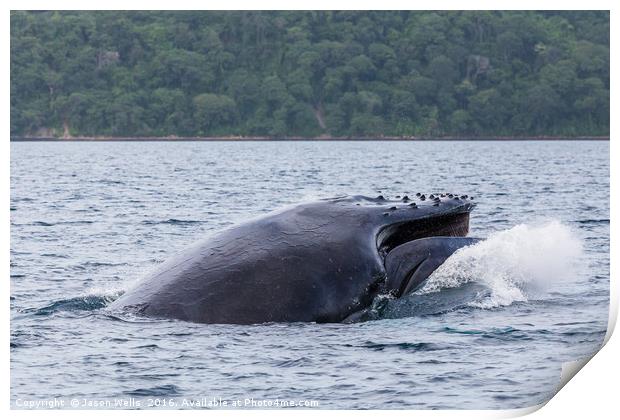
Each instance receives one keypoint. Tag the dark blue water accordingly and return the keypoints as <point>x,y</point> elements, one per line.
<point>490,330</point>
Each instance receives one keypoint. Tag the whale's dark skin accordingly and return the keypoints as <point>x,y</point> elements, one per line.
<point>321,261</point>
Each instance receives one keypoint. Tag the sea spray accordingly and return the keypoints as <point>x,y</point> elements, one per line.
<point>514,264</point>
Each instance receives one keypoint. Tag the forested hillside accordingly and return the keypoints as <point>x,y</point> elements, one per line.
<point>358,74</point>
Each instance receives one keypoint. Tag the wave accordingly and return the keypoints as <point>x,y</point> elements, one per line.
<point>83,303</point>
<point>157,391</point>
<point>51,224</point>
<point>172,222</point>
<point>448,300</point>
<point>593,221</point>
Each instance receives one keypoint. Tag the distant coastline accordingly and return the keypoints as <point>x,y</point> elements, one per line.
<point>321,138</point>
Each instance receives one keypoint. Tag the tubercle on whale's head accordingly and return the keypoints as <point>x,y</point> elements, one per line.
<point>406,217</point>
<point>408,206</point>
<point>413,216</point>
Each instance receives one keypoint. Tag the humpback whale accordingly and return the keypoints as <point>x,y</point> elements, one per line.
<point>322,261</point>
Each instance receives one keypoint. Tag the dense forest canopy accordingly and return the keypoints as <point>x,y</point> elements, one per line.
<point>358,74</point>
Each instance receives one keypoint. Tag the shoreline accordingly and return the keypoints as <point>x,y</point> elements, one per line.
<point>318,139</point>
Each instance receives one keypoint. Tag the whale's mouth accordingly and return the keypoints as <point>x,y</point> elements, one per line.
<point>450,224</point>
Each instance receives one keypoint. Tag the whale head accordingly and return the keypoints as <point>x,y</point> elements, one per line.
<point>414,234</point>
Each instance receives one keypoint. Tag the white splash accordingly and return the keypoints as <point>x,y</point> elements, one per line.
<point>513,264</point>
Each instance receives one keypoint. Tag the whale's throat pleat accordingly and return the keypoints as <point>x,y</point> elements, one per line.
<point>399,233</point>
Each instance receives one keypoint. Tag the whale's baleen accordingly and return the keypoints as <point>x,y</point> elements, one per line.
<point>322,261</point>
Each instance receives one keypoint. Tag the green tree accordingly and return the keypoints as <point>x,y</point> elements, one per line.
<point>296,73</point>
<point>213,111</point>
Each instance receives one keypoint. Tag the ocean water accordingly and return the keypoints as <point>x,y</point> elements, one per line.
<point>489,330</point>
